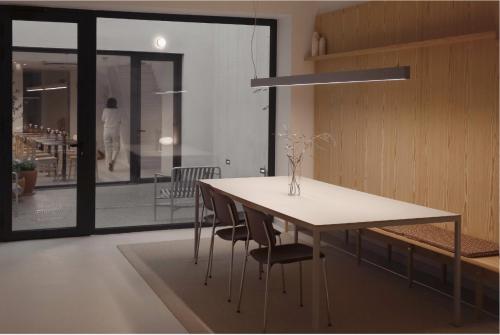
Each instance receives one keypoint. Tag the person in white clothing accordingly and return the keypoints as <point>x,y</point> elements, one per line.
<point>111,135</point>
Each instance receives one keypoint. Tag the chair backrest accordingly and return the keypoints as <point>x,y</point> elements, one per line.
<point>184,179</point>
<point>260,226</point>
<point>206,195</point>
<point>224,208</point>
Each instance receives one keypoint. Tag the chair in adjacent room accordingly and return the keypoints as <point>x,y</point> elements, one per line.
<point>260,229</point>
<point>182,185</point>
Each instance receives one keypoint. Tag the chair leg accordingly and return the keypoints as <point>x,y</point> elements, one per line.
<point>283,278</point>
<point>301,304</point>
<point>327,294</point>
<point>243,276</point>
<point>266,298</point>
<point>231,272</point>
<point>210,254</point>
<point>171,210</point>
<point>155,200</point>
<point>358,247</point>
<point>409,270</point>
<point>261,267</point>
<point>282,270</point>
<point>197,235</point>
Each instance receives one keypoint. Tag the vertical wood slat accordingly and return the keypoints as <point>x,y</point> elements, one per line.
<point>432,140</point>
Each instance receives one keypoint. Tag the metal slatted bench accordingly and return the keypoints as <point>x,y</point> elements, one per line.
<point>182,185</point>
<point>483,266</point>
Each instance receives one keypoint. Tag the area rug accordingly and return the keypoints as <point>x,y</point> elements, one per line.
<point>365,299</point>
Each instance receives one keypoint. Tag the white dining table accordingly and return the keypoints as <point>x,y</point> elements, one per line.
<point>323,207</point>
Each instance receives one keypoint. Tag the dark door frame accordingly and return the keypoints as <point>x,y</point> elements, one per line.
<point>135,107</point>
<point>85,195</point>
<point>87,29</point>
<point>176,59</point>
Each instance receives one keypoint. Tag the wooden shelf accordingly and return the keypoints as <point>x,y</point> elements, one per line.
<point>488,35</point>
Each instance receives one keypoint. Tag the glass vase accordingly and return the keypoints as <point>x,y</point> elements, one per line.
<point>294,173</point>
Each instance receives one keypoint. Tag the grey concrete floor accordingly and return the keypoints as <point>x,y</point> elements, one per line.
<point>116,206</point>
<point>81,285</point>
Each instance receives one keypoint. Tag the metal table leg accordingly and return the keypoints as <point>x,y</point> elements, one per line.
<point>457,275</point>
<point>196,215</point>
<point>316,276</point>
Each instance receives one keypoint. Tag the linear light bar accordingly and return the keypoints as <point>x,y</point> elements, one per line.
<point>55,88</point>
<point>170,92</point>
<point>46,88</point>
<point>340,77</point>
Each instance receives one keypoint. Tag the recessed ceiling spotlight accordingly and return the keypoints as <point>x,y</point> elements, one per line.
<point>160,42</point>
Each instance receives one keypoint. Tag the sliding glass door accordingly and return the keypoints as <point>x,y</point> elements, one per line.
<point>138,112</point>
<point>42,155</point>
<point>90,115</point>
<point>157,131</point>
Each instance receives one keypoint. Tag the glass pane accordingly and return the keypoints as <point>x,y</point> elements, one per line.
<point>216,119</point>
<point>44,126</point>
<point>157,115</point>
<point>113,118</point>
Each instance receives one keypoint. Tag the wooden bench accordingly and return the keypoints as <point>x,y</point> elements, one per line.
<point>481,269</point>
<point>181,185</point>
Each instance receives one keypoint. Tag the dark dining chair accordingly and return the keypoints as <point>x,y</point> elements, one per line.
<point>227,215</point>
<point>207,208</point>
<point>260,229</point>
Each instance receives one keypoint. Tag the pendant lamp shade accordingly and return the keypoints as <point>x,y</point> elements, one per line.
<point>339,77</point>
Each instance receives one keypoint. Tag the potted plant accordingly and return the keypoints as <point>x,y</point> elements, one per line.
<point>26,168</point>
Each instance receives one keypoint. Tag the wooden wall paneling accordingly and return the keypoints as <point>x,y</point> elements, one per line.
<point>407,93</point>
<point>432,140</point>
<point>458,101</point>
<point>348,135</point>
<point>322,120</point>
<point>438,115</point>
<point>350,32</point>
<point>479,144</point>
<point>335,101</point>
<point>334,33</point>
<point>374,108</point>
<point>483,15</point>
<point>421,139</point>
<point>390,116</point>
<point>410,31</point>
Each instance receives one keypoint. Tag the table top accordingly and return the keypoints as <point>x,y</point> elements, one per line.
<point>324,206</point>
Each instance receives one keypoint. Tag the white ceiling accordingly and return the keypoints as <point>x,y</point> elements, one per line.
<point>271,9</point>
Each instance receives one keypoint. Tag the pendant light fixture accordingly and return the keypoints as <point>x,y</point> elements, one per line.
<point>339,77</point>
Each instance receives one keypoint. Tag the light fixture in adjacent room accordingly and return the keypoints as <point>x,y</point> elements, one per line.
<point>170,92</point>
<point>47,88</point>
<point>160,42</point>
<point>339,77</point>
<point>166,140</point>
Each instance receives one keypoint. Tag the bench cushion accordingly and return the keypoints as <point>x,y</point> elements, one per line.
<point>444,239</point>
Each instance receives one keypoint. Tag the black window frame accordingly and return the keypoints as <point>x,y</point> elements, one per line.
<point>87,35</point>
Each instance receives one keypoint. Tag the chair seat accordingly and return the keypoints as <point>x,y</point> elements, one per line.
<point>240,233</point>
<point>283,254</point>
<point>210,217</point>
